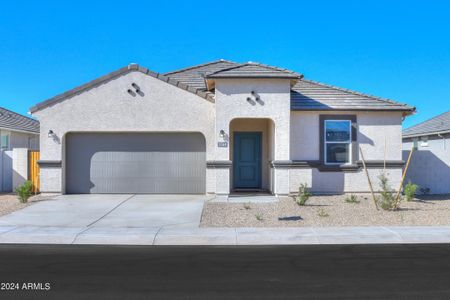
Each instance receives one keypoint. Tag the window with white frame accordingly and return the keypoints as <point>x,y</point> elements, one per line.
<point>337,141</point>
<point>4,140</point>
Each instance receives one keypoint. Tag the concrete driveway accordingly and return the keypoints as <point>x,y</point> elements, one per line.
<point>101,218</point>
<point>111,211</point>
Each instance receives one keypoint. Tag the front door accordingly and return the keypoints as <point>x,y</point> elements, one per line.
<point>247,160</point>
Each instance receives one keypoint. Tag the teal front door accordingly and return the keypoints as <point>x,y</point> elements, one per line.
<point>247,160</point>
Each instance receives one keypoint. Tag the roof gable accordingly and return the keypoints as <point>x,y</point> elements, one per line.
<point>438,124</point>
<point>16,122</point>
<point>120,72</point>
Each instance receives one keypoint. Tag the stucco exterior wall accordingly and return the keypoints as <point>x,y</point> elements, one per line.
<point>24,140</point>
<point>19,166</point>
<point>109,107</point>
<point>374,130</point>
<point>430,165</point>
<point>165,108</point>
<point>274,104</point>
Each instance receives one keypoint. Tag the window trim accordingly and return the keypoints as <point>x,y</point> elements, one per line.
<point>348,142</point>
<point>8,135</point>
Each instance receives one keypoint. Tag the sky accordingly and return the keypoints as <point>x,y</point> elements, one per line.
<point>393,49</point>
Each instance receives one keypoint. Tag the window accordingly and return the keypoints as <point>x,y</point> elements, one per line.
<point>338,138</point>
<point>424,141</point>
<point>4,140</point>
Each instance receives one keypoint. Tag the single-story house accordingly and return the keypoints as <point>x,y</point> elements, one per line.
<point>18,134</point>
<point>18,131</point>
<point>215,128</point>
<point>430,163</point>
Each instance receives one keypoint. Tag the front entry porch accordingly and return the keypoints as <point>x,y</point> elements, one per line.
<point>251,150</point>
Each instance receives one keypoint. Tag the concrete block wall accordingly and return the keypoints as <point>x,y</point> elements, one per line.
<point>19,166</point>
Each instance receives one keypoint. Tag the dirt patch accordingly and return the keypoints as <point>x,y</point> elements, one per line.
<point>10,203</point>
<point>326,211</point>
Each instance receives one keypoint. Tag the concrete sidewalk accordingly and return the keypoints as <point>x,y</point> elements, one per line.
<point>167,235</point>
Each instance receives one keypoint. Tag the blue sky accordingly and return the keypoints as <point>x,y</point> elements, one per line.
<point>394,49</point>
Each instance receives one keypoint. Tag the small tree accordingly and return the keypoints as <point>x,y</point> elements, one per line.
<point>24,191</point>
<point>387,198</point>
<point>410,191</point>
<point>303,194</point>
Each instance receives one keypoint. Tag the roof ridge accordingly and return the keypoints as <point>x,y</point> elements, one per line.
<point>229,68</point>
<point>198,66</point>
<point>257,64</point>
<point>427,120</point>
<point>23,116</point>
<point>355,92</point>
<point>276,68</point>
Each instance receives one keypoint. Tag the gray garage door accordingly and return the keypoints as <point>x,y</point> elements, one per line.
<point>135,163</point>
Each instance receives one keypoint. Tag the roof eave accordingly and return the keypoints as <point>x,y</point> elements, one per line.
<point>405,136</point>
<point>406,110</point>
<point>19,130</point>
<point>251,77</point>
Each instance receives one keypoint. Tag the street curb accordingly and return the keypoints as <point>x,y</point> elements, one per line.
<point>225,236</point>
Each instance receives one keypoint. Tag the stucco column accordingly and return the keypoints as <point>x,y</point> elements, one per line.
<point>282,153</point>
<point>222,154</point>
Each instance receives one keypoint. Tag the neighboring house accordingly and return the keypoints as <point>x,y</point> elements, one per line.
<point>430,164</point>
<point>215,128</point>
<point>18,134</point>
<point>17,131</point>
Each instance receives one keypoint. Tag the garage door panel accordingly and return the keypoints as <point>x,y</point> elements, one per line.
<point>135,163</point>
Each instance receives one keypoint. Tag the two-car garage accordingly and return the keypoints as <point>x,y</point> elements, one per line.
<point>135,163</point>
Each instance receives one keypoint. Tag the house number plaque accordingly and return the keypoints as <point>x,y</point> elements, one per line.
<point>222,144</point>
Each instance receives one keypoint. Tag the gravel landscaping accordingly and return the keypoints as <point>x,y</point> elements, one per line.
<point>10,203</point>
<point>326,211</point>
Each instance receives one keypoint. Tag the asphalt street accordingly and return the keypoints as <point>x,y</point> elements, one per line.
<point>256,272</point>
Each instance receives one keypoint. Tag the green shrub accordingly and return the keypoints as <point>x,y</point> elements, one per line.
<point>387,195</point>
<point>410,191</point>
<point>247,206</point>
<point>259,217</point>
<point>24,191</point>
<point>352,199</point>
<point>322,213</point>
<point>303,194</point>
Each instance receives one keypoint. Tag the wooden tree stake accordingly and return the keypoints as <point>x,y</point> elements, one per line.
<point>368,178</point>
<point>397,197</point>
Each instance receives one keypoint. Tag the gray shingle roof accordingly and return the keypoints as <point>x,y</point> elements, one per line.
<point>438,124</point>
<point>13,121</point>
<point>254,70</point>
<point>194,76</point>
<point>305,94</point>
<point>311,95</point>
